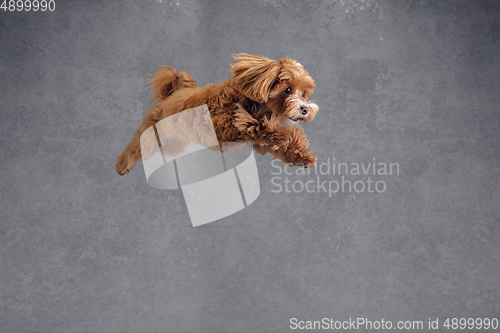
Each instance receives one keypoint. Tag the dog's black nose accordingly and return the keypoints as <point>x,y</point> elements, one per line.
<point>304,109</point>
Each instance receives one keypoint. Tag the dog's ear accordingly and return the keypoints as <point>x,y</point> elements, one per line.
<point>255,75</point>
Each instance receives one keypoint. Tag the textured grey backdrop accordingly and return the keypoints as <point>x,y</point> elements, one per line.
<point>410,82</point>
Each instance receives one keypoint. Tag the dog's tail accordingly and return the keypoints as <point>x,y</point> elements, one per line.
<point>167,80</point>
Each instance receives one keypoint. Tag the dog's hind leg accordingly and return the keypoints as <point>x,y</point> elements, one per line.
<point>164,83</point>
<point>132,153</point>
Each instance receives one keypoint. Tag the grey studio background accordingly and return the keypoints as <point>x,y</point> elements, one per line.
<point>410,82</point>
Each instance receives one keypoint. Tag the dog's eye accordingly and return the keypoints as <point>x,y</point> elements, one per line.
<point>288,90</point>
<point>304,94</point>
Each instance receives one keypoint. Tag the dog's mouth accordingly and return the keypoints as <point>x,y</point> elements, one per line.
<point>291,121</point>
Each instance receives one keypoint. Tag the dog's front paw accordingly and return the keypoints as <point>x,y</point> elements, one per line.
<point>303,160</point>
<point>307,165</point>
<point>279,141</point>
<point>243,120</point>
<point>123,165</point>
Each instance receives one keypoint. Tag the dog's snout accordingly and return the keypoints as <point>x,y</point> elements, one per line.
<point>304,109</point>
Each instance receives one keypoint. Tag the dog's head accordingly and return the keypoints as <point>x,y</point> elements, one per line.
<point>283,86</point>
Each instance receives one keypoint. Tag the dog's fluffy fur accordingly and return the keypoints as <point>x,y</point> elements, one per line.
<point>261,104</point>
